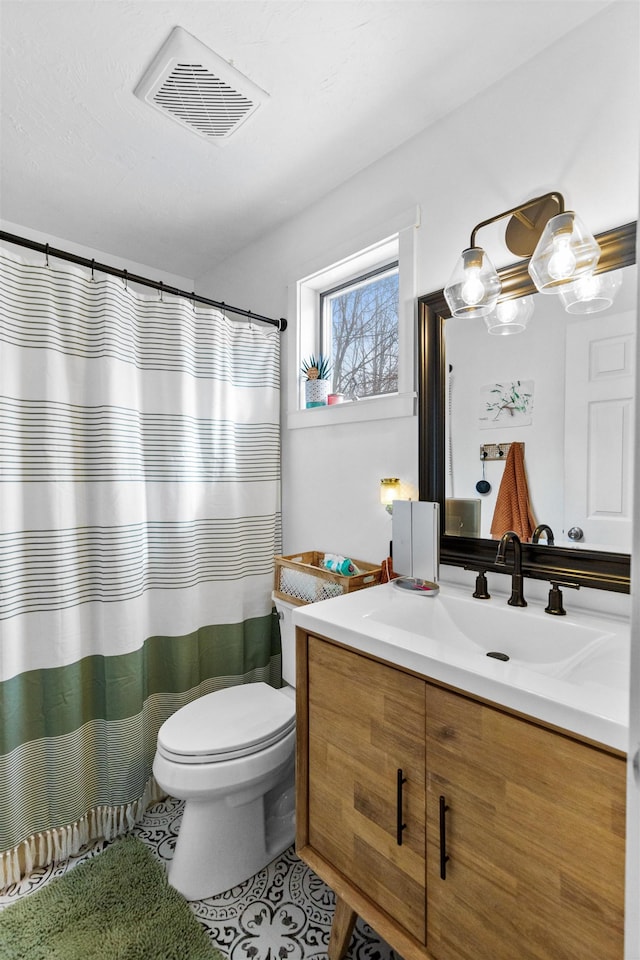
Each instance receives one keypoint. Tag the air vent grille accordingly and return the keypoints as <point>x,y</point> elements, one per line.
<point>198,89</point>
<point>200,99</point>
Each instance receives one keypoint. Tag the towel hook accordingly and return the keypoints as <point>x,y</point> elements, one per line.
<point>495,451</point>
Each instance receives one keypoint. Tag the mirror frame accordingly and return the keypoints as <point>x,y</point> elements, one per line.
<point>589,568</point>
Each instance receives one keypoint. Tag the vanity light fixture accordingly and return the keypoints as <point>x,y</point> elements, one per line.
<point>566,250</point>
<point>389,491</point>
<point>559,245</point>
<point>591,293</point>
<point>510,316</point>
<point>474,287</point>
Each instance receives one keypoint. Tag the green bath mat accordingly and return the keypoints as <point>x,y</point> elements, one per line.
<point>116,906</point>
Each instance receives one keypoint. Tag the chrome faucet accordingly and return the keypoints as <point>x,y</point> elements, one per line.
<point>517,595</point>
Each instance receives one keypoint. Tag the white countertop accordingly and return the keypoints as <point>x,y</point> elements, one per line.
<point>587,693</point>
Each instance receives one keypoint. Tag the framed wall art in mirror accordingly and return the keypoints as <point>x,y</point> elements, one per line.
<point>479,393</point>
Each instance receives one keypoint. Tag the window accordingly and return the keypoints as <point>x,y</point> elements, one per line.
<point>359,333</point>
<point>359,312</point>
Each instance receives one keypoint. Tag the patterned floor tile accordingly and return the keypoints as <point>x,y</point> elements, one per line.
<point>283,913</point>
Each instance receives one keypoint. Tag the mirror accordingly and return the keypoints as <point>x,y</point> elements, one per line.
<point>452,378</point>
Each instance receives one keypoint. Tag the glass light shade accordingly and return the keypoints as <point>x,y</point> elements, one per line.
<point>510,316</point>
<point>389,491</point>
<point>565,251</point>
<point>474,287</point>
<point>591,293</point>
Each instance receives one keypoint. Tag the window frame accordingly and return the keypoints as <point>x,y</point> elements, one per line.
<point>304,305</point>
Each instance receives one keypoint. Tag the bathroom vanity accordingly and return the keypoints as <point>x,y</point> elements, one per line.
<point>467,808</point>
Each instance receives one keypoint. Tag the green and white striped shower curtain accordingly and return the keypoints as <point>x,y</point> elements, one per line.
<point>139,516</point>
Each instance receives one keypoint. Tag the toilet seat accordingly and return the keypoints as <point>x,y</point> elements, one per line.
<point>227,724</point>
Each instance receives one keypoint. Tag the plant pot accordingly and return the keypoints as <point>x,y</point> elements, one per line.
<point>316,392</point>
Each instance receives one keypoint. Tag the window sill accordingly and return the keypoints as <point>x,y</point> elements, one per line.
<point>355,411</point>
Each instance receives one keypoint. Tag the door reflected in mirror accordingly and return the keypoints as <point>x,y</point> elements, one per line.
<point>564,388</point>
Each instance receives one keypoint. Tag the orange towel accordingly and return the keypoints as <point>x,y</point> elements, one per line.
<point>513,510</point>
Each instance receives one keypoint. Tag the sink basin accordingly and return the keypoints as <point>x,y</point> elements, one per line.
<point>462,626</point>
<point>571,672</point>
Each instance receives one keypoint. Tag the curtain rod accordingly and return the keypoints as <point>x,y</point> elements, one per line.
<point>48,251</point>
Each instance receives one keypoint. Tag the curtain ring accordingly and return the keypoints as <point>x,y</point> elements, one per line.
<point>161,292</point>
<point>124,277</point>
<point>193,300</point>
<point>46,254</point>
<point>249,315</point>
<point>93,263</point>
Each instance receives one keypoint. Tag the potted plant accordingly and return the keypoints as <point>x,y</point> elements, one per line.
<point>316,371</point>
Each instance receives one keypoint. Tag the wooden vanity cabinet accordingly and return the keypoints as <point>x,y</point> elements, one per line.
<point>366,723</point>
<point>533,823</point>
<point>513,845</point>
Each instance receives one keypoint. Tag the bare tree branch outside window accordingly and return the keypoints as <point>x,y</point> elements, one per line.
<point>364,338</point>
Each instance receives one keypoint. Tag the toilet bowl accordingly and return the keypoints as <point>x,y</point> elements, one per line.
<point>230,755</point>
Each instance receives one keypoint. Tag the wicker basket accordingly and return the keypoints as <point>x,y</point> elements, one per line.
<point>301,578</point>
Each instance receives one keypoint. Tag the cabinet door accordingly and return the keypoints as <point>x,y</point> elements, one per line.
<point>366,722</point>
<point>534,832</point>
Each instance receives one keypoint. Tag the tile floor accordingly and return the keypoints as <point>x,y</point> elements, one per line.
<point>283,913</point>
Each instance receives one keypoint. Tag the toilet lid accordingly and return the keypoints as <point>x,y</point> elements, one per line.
<point>229,723</point>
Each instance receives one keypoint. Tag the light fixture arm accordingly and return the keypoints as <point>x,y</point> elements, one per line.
<point>518,213</point>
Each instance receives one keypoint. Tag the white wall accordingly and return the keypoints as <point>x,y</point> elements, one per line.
<point>632,888</point>
<point>540,129</point>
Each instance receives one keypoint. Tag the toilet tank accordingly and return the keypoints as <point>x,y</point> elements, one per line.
<point>287,639</point>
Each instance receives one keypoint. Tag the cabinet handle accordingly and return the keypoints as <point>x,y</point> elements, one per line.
<point>400,826</point>
<point>443,839</point>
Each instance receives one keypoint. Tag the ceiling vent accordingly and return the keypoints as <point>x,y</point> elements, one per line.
<point>198,89</point>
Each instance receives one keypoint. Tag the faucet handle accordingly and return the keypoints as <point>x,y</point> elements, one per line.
<point>481,591</point>
<point>554,605</point>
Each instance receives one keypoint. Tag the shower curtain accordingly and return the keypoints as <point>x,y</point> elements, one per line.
<point>139,517</point>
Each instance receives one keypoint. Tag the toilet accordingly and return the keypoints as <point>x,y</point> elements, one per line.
<point>230,755</point>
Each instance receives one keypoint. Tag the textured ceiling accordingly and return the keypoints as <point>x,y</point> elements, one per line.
<point>83,159</point>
